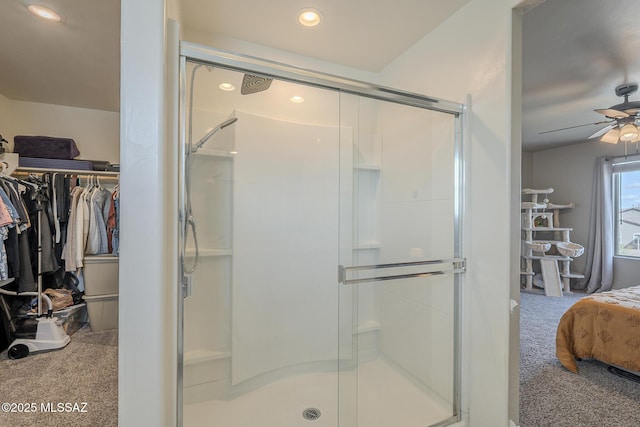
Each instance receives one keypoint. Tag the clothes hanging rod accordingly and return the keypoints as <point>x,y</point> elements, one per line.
<point>107,174</point>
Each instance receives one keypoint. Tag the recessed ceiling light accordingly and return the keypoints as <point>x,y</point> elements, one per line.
<point>309,17</point>
<point>43,12</point>
<point>296,99</point>
<point>228,87</point>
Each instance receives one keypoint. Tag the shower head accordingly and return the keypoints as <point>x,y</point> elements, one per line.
<point>209,134</point>
<point>253,84</point>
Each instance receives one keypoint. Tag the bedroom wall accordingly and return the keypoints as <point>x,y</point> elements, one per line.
<point>569,171</point>
<point>527,169</point>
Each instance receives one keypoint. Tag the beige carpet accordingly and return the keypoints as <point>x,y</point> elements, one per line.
<point>83,377</point>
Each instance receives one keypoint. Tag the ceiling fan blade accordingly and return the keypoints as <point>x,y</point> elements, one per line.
<point>603,131</point>
<point>614,114</point>
<point>632,111</point>
<point>578,126</point>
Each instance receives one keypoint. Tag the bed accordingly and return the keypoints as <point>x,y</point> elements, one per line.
<point>603,326</point>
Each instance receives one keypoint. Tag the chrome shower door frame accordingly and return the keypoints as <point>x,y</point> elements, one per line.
<point>243,63</point>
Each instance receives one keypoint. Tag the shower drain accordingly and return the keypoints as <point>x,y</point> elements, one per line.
<point>311,414</point>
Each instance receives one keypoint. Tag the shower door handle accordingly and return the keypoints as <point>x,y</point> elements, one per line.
<point>442,266</point>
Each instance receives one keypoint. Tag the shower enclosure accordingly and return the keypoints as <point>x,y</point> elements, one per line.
<point>321,282</point>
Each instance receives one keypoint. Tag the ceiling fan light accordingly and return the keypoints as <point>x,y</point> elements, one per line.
<point>612,136</point>
<point>628,133</point>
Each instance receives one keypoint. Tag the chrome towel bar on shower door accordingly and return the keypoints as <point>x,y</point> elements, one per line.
<point>449,266</point>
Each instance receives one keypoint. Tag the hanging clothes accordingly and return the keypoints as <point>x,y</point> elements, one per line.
<point>9,237</point>
<point>66,220</point>
<point>70,248</point>
<point>111,222</point>
<point>39,204</point>
<point>90,224</point>
<point>16,242</point>
<point>8,219</point>
<point>97,236</point>
<point>60,196</point>
<point>115,231</point>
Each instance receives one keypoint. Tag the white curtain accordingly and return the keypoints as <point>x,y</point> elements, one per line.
<point>599,268</point>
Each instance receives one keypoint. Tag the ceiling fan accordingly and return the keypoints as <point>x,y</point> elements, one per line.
<point>623,119</point>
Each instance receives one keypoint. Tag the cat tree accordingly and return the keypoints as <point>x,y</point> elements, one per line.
<point>545,241</point>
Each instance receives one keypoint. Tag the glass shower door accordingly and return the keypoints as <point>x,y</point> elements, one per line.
<point>326,287</point>
<point>261,326</point>
<point>399,264</point>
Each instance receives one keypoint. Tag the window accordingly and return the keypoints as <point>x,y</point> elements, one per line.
<point>626,181</point>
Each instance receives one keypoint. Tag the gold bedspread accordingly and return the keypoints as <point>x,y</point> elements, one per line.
<point>603,326</point>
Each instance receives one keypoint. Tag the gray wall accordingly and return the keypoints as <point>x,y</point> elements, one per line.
<point>527,169</point>
<point>569,170</point>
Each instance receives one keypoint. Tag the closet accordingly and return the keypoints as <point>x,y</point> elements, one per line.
<point>69,241</point>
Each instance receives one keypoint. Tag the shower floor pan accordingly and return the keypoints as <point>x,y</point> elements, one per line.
<point>386,398</point>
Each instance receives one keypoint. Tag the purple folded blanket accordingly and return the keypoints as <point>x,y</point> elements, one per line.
<point>45,147</point>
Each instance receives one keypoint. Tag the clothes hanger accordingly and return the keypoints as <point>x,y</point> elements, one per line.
<point>4,174</point>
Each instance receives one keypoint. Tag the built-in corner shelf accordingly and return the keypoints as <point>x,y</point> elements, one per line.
<point>190,252</point>
<point>368,326</point>
<point>214,153</point>
<point>366,204</point>
<point>371,168</point>
<point>201,356</point>
<point>367,245</point>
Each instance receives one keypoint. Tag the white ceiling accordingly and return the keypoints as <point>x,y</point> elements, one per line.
<point>77,62</point>
<point>362,34</point>
<point>74,63</point>
<point>575,51</point>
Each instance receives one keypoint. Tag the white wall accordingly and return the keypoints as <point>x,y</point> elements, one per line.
<point>148,245</point>
<point>6,121</point>
<point>569,170</point>
<point>516,185</point>
<point>285,178</point>
<point>467,59</point>
<point>95,132</point>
